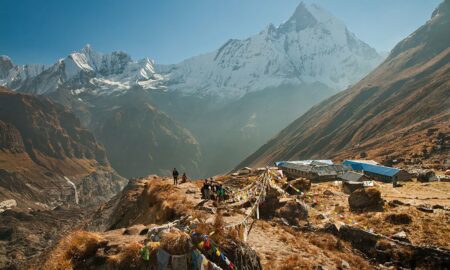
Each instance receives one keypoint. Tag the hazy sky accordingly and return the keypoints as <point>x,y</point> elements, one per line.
<point>35,31</point>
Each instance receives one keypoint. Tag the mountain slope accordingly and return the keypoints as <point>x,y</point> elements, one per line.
<point>386,113</point>
<point>140,139</point>
<point>41,143</point>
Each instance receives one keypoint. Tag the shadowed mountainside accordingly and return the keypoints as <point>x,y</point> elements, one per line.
<point>385,113</point>
<point>41,143</point>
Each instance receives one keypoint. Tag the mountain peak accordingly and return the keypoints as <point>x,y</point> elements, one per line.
<point>301,19</point>
<point>87,49</point>
<point>306,16</point>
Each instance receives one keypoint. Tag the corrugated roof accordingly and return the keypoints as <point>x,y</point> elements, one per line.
<point>378,169</point>
<point>306,162</point>
<point>319,168</point>
<point>366,161</point>
<point>352,176</point>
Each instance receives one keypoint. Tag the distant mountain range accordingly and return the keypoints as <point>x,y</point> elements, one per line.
<point>400,111</point>
<point>207,112</point>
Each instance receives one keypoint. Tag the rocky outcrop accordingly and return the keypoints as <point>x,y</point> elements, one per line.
<point>42,144</point>
<point>365,199</point>
<point>10,138</point>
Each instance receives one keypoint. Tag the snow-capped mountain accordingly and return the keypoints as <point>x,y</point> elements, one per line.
<point>312,46</point>
<point>233,96</point>
<point>11,74</point>
<point>85,70</point>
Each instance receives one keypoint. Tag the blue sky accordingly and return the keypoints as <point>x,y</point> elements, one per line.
<point>35,31</point>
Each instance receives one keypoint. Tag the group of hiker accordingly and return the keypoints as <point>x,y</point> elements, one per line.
<point>213,191</point>
<point>210,190</point>
<point>175,175</point>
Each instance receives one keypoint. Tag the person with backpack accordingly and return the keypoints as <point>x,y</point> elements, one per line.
<point>175,176</point>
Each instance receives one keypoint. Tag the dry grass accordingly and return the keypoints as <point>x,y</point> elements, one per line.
<point>128,257</point>
<point>424,228</point>
<point>176,242</point>
<point>166,201</point>
<point>71,250</point>
<point>294,262</point>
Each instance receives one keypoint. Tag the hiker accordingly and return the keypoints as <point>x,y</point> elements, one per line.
<point>205,189</point>
<point>184,178</point>
<point>213,192</point>
<point>220,193</point>
<point>175,176</point>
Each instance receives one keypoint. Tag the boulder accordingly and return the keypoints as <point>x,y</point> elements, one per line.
<point>191,191</point>
<point>399,219</point>
<point>293,211</point>
<point>366,200</point>
<point>427,176</point>
<point>8,204</point>
<point>135,229</point>
<point>425,208</point>
<point>401,236</point>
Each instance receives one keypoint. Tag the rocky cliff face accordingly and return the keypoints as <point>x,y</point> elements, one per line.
<point>386,114</point>
<point>40,144</point>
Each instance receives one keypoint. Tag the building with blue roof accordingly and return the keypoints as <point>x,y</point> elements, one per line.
<point>378,172</point>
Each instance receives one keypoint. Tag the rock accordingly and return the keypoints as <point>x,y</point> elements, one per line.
<point>427,176</point>
<point>293,211</point>
<point>438,206</point>
<point>345,264</point>
<point>366,199</point>
<point>190,191</point>
<point>399,219</point>
<point>8,204</point>
<point>328,192</point>
<point>425,208</point>
<point>401,236</point>
<point>395,203</point>
<point>135,230</point>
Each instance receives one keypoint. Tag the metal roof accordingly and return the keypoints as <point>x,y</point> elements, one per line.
<point>307,162</point>
<point>378,169</point>
<point>366,161</point>
<point>352,176</point>
<point>319,168</point>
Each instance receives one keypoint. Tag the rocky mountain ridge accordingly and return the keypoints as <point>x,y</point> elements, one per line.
<point>42,145</point>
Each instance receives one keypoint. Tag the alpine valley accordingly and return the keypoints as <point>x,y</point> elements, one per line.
<point>209,112</point>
